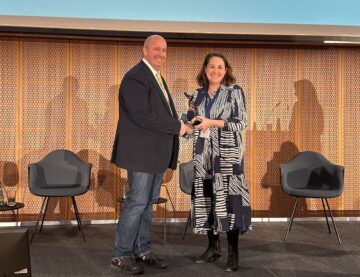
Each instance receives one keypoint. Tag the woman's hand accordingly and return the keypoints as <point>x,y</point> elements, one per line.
<point>204,124</point>
<point>207,123</point>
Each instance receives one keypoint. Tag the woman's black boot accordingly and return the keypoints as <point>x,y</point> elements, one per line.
<point>232,263</point>
<point>213,252</point>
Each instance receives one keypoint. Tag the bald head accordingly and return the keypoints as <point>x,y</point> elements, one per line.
<point>150,38</point>
<point>155,51</point>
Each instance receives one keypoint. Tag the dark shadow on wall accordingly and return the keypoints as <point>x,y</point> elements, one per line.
<point>106,181</point>
<point>305,130</point>
<point>307,119</point>
<point>57,132</point>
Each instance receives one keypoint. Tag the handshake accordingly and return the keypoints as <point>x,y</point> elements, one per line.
<point>186,129</point>
<point>189,117</point>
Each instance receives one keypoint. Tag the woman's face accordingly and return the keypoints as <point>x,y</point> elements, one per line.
<point>215,70</point>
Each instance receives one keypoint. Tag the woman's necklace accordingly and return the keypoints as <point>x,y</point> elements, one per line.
<point>212,92</point>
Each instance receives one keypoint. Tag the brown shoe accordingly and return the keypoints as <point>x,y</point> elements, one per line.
<point>153,261</point>
<point>127,265</point>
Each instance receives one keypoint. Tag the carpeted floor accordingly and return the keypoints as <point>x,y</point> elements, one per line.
<point>309,251</point>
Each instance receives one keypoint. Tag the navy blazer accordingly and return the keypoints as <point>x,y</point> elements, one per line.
<point>146,138</point>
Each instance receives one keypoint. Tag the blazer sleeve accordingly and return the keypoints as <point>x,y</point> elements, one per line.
<point>239,119</point>
<point>134,96</point>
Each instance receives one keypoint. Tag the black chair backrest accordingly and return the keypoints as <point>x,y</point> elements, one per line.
<point>311,170</point>
<point>186,176</point>
<point>308,159</point>
<point>60,170</point>
<point>60,167</point>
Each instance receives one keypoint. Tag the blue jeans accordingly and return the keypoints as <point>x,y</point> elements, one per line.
<point>132,235</point>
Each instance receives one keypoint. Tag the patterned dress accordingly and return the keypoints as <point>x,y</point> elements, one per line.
<point>220,197</point>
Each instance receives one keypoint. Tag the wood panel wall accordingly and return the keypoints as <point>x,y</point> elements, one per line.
<point>60,93</point>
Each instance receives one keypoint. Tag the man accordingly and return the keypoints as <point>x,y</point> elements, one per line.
<point>146,144</point>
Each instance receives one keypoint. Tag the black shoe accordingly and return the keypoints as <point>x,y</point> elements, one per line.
<point>211,254</point>
<point>153,261</point>
<point>126,264</point>
<point>232,263</point>
<point>213,251</point>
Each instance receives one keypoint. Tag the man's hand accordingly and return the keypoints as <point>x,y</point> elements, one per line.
<point>189,129</point>
<point>183,129</point>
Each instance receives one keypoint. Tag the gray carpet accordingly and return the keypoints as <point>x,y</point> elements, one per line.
<point>309,251</point>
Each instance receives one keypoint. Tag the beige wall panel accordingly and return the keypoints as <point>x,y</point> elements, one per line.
<point>274,143</point>
<point>93,89</point>
<point>318,112</point>
<point>320,130</point>
<point>352,130</point>
<point>64,94</point>
<point>130,53</point>
<point>8,98</point>
<point>9,171</point>
<point>42,70</point>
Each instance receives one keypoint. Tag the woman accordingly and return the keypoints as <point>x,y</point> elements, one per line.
<point>220,197</point>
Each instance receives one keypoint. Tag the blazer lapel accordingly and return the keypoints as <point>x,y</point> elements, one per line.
<point>156,85</point>
<point>162,96</point>
<point>171,102</point>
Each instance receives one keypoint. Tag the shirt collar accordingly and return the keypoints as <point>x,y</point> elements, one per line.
<point>149,66</point>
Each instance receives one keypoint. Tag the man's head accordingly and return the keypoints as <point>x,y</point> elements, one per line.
<point>155,51</point>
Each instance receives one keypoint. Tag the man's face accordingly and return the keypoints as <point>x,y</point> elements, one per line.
<point>155,52</point>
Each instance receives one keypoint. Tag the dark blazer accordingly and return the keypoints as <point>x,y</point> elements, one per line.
<point>146,138</point>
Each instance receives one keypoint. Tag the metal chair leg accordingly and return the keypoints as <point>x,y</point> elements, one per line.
<point>327,221</point>
<point>187,224</point>
<point>44,214</point>
<point>37,222</point>
<point>332,218</point>
<point>292,218</point>
<point>77,215</point>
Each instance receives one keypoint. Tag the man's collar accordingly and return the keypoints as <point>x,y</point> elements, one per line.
<point>149,66</point>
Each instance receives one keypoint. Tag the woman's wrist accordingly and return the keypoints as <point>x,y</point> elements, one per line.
<point>218,123</point>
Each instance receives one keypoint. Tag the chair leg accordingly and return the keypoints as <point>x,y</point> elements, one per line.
<point>37,222</point>
<point>327,221</point>
<point>292,218</point>
<point>332,218</point>
<point>187,224</point>
<point>44,214</point>
<point>77,215</point>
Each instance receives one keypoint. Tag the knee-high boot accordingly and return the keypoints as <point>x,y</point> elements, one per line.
<point>233,253</point>
<point>213,251</point>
